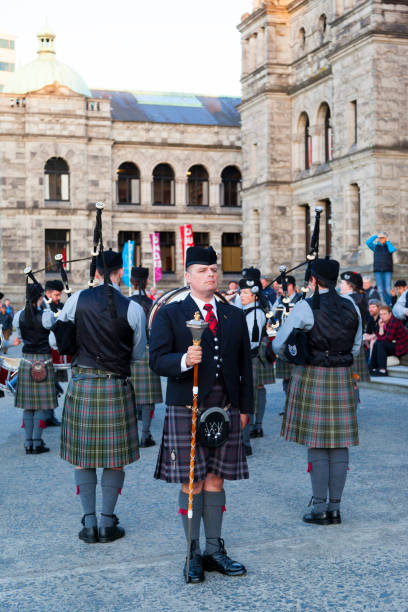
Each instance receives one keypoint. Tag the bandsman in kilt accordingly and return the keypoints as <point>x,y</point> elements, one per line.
<point>320,410</point>
<point>225,381</point>
<point>284,368</point>
<point>262,370</point>
<point>53,292</point>
<point>351,286</point>
<point>33,395</point>
<point>146,384</point>
<point>99,419</point>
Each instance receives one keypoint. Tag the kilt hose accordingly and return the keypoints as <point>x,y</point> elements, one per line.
<point>262,374</point>
<point>31,395</point>
<point>284,369</point>
<point>360,367</point>
<point>99,422</point>
<point>320,409</point>
<point>173,463</point>
<point>146,384</point>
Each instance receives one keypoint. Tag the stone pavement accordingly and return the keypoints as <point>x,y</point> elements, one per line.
<point>359,565</point>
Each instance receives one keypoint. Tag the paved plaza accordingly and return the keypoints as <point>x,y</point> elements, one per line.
<point>359,565</point>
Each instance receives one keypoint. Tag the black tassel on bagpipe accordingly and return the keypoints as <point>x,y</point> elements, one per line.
<point>98,239</point>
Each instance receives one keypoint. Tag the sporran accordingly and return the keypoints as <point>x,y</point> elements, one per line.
<point>213,427</point>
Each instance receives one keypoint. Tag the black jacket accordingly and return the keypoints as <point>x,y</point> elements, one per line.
<point>35,336</point>
<point>170,339</point>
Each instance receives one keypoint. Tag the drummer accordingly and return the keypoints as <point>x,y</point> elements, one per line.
<point>146,383</point>
<point>36,383</point>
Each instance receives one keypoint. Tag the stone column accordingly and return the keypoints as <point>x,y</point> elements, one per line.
<point>181,192</point>
<point>245,51</point>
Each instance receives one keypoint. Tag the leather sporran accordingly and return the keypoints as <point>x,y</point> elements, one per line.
<point>213,427</point>
<point>38,371</point>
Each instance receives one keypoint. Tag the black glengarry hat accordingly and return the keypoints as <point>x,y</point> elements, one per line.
<point>34,292</point>
<point>139,273</point>
<point>353,277</point>
<point>201,256</point>
<point>251,279</point>
<point>326,269</point>
<point>113,261</point>
<point>54,285</point>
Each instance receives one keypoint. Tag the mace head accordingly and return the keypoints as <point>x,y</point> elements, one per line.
<point>197,327</point>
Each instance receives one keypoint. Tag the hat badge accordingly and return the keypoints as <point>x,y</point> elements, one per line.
<point>250,283</point>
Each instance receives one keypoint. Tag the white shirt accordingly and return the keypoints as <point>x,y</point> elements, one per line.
<point>200,305</point>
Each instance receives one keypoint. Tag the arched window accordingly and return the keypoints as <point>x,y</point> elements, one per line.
<point>197,186</point>
<point>305,142</point>
<point>302,38</point>
<point>56,180</point>
<point>128,183</point>
<point>231,186</point>
<point>163,185</point>
<point>328,136</point>
<point>322,26</point>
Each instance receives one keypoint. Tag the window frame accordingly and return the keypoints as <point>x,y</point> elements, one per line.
<point>198,184</point>
<point>57,181</point>
<point>231,252</point>
<point>163,183</point>
<point>135,236</point>
<point>227,184</point>
<point>60,245</point>
<point>171,236</point>
<point>128,179</point>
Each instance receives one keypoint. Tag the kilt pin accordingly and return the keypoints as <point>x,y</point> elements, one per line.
<point>320,410</point>
<point>99,422</point>
<point>31,395</point>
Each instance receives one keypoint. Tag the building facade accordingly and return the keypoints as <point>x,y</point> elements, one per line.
<point>157,161</point>
<point>324,122</point>
<point>7,57</point>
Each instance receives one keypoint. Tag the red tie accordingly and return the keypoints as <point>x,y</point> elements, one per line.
<point>211,319</point>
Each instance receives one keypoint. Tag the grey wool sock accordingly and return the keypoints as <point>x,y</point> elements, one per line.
<point>112,483</point>
<point>319,473</point>
<point>197,516</point>
<point>28,420</point>
<point>39,426</point>
<point>85,481</point>
<point>213,510</point>
<point>339,461</point>
<point>261,408</point>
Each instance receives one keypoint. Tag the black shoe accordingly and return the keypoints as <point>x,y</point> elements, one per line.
<point>110,534</point>
<point>40,449</point>
<point>220,562</point>
<point>88,534</point>
<point>195,570</point>
<point>248,450</point>
<point>281,413</point>
<point>334,517</point>
<point>53,422</point>
<point>317,518</point>
<point>29,449</point>
<point>253,434</point>
<point>147,442</point>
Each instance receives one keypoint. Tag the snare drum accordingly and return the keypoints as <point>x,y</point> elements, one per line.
<point>8,373</point>
<point>60,362</point>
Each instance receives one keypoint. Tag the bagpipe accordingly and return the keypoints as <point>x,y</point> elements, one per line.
<point>273,323</point>
<point>65,331</point>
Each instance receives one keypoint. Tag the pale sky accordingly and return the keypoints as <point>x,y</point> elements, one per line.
<point>153,45</point>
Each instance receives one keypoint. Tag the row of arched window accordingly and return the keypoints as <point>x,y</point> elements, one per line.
<point>323,140</point>
<point>56,184</point>
<point>322,28</point>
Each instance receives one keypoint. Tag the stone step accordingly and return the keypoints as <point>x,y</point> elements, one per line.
<point>386,383</point>
<point>398,371</point>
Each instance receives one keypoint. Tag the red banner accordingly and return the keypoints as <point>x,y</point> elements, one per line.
<point>187,239</point>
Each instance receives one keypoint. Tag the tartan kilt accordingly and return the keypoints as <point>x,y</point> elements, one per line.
<point>31,395</point>
<point>284,369</point>
<point>320,409</point>
<point>360,367</point>
<point>265,372</point>
<point>146,384</point>
<point>99,422</point>
<point>227,461</point>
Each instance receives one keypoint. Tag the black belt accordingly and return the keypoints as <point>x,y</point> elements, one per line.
<point>76,377</point>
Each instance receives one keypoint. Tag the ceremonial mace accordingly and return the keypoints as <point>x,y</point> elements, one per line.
<point>197,327</point>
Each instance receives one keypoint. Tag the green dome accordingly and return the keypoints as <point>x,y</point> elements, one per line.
<point>45,70</point>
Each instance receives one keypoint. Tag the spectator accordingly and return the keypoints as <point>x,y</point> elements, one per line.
<point>10,309</point>
<point>370,291</point>
<point>232,295</point>
<point>400,309</point>
<point>383,264</point>
<point>267,291</point>
<point>6,321</point>
<point>392,339</point>
<point>371,327</point>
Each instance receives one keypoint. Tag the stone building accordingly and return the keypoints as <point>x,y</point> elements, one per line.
<point>324,122</point>
<point>158,161</point>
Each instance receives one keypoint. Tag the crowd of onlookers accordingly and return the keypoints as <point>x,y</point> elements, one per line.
<point>6,318</point>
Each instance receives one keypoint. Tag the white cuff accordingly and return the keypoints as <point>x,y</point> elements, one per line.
<point>184,366</point>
